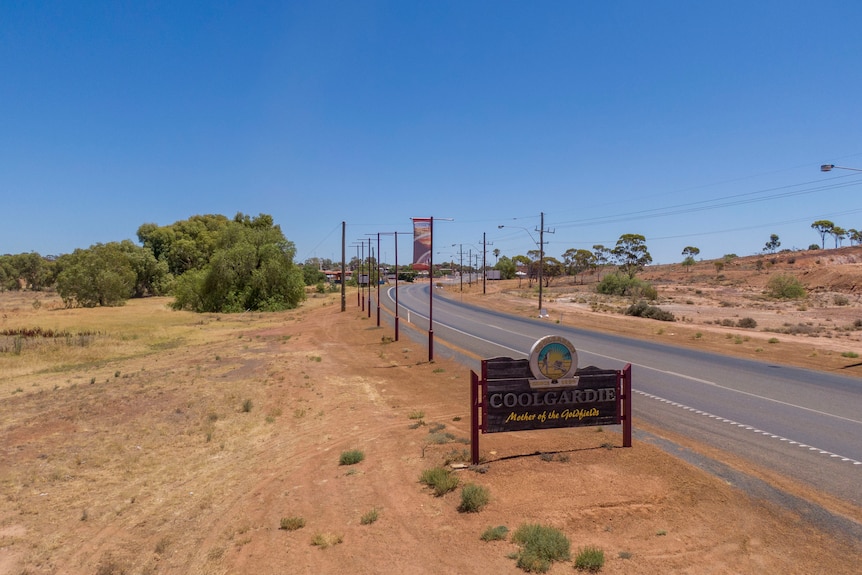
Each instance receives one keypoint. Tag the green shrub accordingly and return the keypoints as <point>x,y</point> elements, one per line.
<point>785,287</point>
<point>473,498</point>
<point>747,322</point>
<point>351,457</point>
<point>440,479</point>
<point>643,309</point>
<point>498,533</point>
<point>540,546</point>
<point>590,559</point>
<point>623,285</point>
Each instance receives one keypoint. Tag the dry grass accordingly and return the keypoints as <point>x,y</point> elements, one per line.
<point>145,411</point>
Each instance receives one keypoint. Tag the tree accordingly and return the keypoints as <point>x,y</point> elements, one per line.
<point>630,254</point>
<point>185,245</point>
<point>689,252</point>
<point>823,227</point>
<point>552,268</point>
<point>311,275</point>
<point>772,244</point>
<point>251,268</point>
<point>521,260</point>
<point>855,236</point>
<point>577,262</point>
<point>506,267</point>
<point>496,253</point>
<point>601,257</point>
<point>152,277</point>
<point>840,234</point>
<point>101,275</point>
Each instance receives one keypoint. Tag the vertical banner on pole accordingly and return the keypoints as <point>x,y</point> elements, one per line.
<point>421,243</point>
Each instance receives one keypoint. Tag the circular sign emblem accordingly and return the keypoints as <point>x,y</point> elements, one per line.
<point>553,358</point>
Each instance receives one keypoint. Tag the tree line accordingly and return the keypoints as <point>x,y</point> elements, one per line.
<point>630,255</point>
<point>208,262</point>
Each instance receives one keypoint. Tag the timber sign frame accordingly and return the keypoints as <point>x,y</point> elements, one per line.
<point>547,391</point>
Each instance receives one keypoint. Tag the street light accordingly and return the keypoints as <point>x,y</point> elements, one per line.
<point>830,167</point>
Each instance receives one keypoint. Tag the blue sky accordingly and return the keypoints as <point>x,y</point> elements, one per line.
<point>692,123</point>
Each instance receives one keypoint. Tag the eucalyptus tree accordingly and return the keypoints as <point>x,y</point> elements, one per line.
<point>840,234</point>
<point>577,262</point>
<point>689,252</point>
<point>601,257</point>
<point>630,254</point>
<point>824,228</point>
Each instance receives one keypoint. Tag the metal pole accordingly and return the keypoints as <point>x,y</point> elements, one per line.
<point>359,279</point>
<point>378,279</point>
<point>396,286</point>
<point>461,266</point>
<point>343,269</point>
<point>484,255</point>
<point>431,293</point>
<point>370,256</point>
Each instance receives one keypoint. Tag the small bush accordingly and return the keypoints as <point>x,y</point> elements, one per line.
<point>785,287</point>
<point>473,498</point>
<point>643,309</point>
<point>623,285</point>
<point>440,479</point>
<point>540,546</point>
<point>369,517</point>
<point>291,523</point>
<point>324,540</point>
<point>747,322</point>
<point>841,300</point>
<point>498,533</point>
<point>246,406</point>
<point>351,457</point>
<point>590,559</point>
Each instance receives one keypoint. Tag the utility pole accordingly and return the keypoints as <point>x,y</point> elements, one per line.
<point>542,231</point>
<point>343,269</point>
<point>484,264</point>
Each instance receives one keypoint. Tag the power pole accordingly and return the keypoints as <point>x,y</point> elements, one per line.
<point>343,269</point>
<point>542,231</point>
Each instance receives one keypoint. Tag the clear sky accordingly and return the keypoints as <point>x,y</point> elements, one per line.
<point>692,123</point>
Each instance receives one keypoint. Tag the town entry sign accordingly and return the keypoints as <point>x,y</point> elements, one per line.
<point>547,391</point>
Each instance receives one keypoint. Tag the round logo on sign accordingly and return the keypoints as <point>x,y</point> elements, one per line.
<point>553,358</point>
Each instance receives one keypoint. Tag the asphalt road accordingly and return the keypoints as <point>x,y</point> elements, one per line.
<point>806,425</point>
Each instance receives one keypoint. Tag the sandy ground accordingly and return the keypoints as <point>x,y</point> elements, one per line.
<point>182,450</point>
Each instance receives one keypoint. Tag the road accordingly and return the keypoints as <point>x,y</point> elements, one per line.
<point>803,424</point>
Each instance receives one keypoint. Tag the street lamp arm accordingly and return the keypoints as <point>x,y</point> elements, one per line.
<point>501,226</point>
<point>830,167</point>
